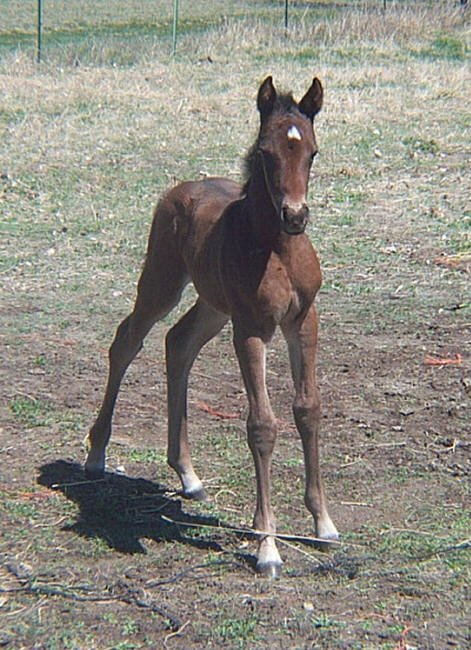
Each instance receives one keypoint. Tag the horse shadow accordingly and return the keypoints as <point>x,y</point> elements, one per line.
<point>122,511</point>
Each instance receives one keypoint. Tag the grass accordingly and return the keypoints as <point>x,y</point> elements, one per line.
<point>237,631</point>
<point>90,139</point>
<point>30,411</point>
<point>146,456</point>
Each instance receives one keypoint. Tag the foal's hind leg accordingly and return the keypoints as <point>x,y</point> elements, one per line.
<point>156,297</point>
<point>183,343</point>
<point>302,343</point>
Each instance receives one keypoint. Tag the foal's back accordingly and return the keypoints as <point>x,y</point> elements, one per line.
<point>188,231</point>
<point>195,207</point>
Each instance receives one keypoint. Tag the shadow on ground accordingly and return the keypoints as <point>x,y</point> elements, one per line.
<point>122,510</point>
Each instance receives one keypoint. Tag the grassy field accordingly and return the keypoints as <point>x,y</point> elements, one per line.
<point>88,141</point>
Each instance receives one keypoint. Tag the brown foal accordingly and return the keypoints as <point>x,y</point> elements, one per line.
<point>246,252</point>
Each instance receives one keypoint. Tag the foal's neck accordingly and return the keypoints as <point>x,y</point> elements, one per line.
<point>263,217</point>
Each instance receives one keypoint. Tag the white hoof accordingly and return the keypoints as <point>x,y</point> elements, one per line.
<point>192,487</point>
<point>270,570</point>
<point>198,494</point>
<point>326,531</point>
<point>268,560</point>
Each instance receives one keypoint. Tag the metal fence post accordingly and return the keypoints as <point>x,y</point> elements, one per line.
<point>40,29</point>
<point>175,26</point>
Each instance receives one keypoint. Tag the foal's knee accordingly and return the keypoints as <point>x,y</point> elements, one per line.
<point>170,342</point>
<point>261,434</point>
<point>121,334</point>
<point>306,410</point>
<point>127,340</point>
<point>173,350</point>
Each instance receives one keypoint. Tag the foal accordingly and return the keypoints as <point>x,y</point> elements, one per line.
<point>247,255</point>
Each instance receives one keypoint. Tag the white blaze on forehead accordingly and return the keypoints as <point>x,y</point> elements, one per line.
<point>294,134</point>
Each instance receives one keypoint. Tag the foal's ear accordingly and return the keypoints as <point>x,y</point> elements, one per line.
<point>266,97</point>
<point>311,103</point>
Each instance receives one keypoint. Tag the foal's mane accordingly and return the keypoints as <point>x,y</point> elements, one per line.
<point>285,104</point>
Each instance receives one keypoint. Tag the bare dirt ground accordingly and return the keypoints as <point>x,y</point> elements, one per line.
<point>102,565</point>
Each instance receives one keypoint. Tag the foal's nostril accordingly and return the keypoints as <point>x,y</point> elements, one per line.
<point>304,213</point>
<point>295,219</point>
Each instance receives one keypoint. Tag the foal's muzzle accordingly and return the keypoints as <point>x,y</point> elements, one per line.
<point>294,220</point>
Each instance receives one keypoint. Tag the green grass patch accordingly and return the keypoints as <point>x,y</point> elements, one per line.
<point>325,621</point>
<point>147,456</point>
<point>421,145</point>
<point>32,412</point>
<point>20,510</point>
<point>451,47</point>
<point>446,46</point>
<point>238,631</point>
<point>350,196</point>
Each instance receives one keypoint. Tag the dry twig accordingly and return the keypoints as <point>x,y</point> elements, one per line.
<point>254,532</point>
<point>30,585</point>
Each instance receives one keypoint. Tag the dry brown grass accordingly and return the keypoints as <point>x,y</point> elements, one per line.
<point>365,25</point>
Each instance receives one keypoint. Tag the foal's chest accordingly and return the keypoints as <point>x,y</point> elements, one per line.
<point>290,284</point>
<point>278,285</point>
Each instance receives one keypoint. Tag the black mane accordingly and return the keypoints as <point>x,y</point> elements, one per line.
<point>285,103</point>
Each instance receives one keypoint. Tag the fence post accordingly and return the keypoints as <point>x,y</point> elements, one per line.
<point>175,26</point>
<point>40,29</point>
<point>286,16</point>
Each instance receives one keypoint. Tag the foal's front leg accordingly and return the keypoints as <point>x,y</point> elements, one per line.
<point>302,345</point>
<point>261,430</point>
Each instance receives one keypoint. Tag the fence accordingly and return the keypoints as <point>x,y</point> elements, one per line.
<point>170,10</point>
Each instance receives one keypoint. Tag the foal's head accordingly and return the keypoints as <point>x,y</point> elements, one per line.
<point>285,149</point>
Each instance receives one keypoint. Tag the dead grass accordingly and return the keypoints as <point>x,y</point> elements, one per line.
<point>86,150</point>
<point>362,29</point>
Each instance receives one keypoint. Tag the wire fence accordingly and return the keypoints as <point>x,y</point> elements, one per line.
<point>43,22</point>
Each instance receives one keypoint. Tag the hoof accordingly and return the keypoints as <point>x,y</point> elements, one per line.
<point>94,474</point>
<point>328,542</point>
<point>270,570</point>
<point>196,495</point>
<point>94,465</point>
